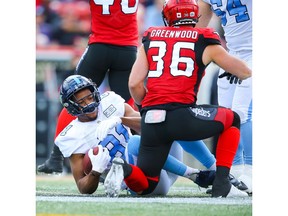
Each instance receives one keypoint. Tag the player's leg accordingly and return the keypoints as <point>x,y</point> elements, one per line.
<point>167,179</point>
<point>238,162</point>
<point>221,121</point>
<point>246,134</point>
<point>54,164</point>
<point>242,104</point>
<point>94,63</point>
<point>200,151</point>
<point>225,91</point>
<point>225,152</point>
<point>225,99</point>
<point>122,60</point>
<point>174,165</point>
<point>246,137</point>
<point>150,161</point>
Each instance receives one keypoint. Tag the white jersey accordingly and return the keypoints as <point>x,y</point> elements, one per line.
<point>78,137</point>
<point>236,20</point>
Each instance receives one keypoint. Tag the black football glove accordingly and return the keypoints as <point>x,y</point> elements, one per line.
<point>230,77</point>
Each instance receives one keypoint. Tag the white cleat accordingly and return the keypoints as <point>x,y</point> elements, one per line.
<point>114,178</point>
<point>234,192</point>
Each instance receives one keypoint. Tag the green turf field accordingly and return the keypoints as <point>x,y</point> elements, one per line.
<point>58,196</point>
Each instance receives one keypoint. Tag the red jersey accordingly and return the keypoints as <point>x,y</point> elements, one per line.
<point>114,22</point>
<point>175,63</point>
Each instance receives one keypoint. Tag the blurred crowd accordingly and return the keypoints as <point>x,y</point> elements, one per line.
<point>67,22</point>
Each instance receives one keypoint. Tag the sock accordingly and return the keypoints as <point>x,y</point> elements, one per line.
<point>136,181</point>
<point>190,171</point>
<point>174,166</point>
<point>222,172</point>
<point>200,151</point>
<point>227,146</point>
<point>213,167</point>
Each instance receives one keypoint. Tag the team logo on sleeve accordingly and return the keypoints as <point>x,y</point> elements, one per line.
<point>109,111</point>
<point>63,133</point>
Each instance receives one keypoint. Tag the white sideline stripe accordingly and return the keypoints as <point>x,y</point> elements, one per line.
<point>215,201</point>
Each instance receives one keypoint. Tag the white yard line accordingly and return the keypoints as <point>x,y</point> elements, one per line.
<point>213,201</point>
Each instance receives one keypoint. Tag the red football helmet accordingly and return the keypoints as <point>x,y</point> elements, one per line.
<point>180,12</point>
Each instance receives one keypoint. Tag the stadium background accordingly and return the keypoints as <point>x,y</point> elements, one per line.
<point>62,30</point>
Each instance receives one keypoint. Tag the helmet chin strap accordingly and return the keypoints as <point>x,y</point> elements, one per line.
<point>90,108</point>
<point>84,117</point>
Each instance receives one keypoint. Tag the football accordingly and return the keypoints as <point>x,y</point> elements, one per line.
<point>87,166</point>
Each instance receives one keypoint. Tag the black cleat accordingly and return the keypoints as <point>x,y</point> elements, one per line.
<point>53,165</point>
<point>238,184</point>
<point>204,178</point>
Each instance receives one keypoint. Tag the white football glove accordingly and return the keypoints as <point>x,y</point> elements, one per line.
<point>100,161</point>
<point>106,125</point>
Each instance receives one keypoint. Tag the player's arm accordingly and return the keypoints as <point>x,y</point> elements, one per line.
<point>205,13</point>
<point>218,55</point>
<point>87,184</point>
<point>132,119</point>
<point>138,75</point>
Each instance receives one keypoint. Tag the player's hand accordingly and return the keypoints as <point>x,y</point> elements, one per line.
<point>106,125</point>
<point>230,77</point>
<point>100,161</point>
